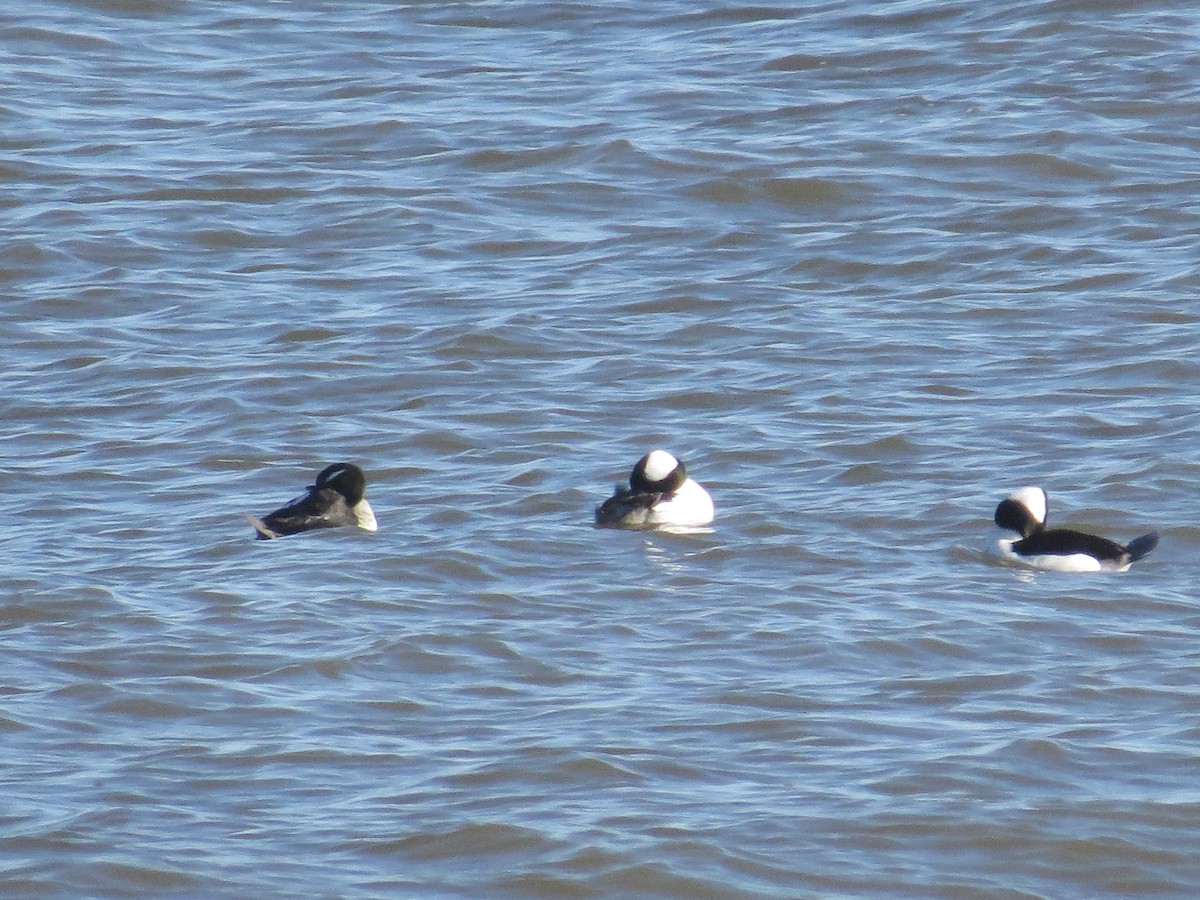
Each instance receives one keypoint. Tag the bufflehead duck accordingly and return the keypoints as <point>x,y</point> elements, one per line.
<point>335,499</point>
<point>1060,549</point>
<point>659,494</point>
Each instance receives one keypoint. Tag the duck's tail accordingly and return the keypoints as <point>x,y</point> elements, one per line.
<point>1139,547</point>
<point>264,533</point>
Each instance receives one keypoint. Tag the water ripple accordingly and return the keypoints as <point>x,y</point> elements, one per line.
<point>865,269</point>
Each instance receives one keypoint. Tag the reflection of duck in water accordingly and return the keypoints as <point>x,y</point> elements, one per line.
<point>659,494</point>
<point>335,499</point>
<point>1060,549</point>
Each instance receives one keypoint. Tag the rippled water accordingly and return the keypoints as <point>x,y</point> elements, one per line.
<point>865,266</point>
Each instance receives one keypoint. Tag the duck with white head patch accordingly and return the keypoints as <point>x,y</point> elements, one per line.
<point>660,495</point>
<point>1060,549</point>
<point>334,499</point>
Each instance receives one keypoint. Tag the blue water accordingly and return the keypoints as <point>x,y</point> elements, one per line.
<point>865,267</point>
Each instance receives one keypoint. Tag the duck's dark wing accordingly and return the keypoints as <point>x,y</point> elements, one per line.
<point>325,508</point>
<point>1065,542</point>
<point>625,501</point>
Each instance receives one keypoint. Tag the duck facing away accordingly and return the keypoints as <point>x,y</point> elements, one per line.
<point>660,494</point>
<point>334,499</point>
<point>1060,549</point>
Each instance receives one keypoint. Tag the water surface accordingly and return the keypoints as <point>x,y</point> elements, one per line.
<point>866,267</point>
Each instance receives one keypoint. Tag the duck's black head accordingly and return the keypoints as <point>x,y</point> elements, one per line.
<point>345,478</point>
<point>658,472</point>
<point>1023,511</point>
